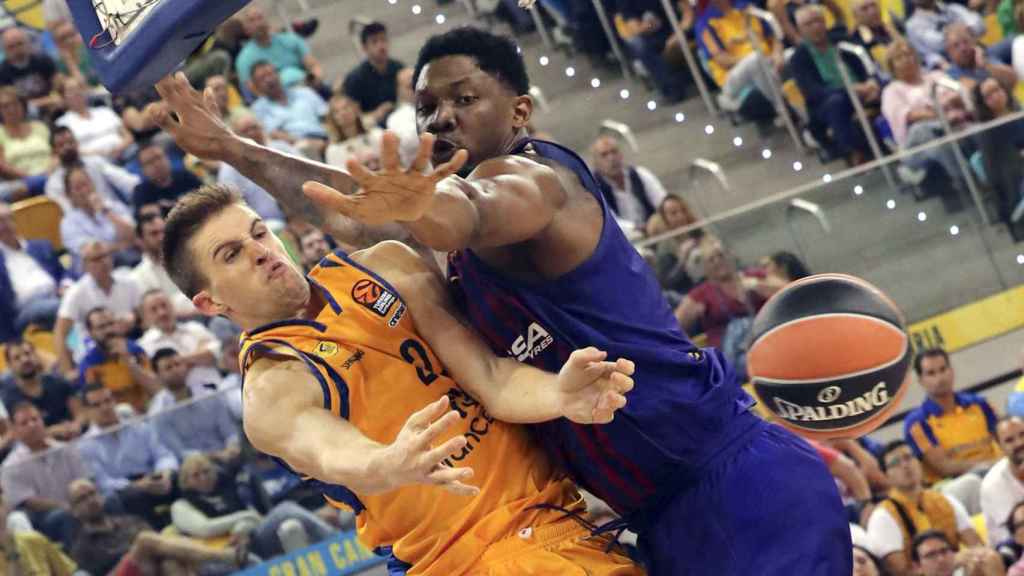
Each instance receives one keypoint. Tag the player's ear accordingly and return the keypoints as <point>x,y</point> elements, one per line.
<point>522,111</point>
<point>205,303</point>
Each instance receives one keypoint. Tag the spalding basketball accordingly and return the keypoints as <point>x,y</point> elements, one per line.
<point>829,356</point>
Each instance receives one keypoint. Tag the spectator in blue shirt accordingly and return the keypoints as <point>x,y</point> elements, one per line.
<point>286,51</point>
<point>926,25</point>
<point>189,424</point>
<point>128,461</point>
<point>93,218</point>
<point>289,114</point>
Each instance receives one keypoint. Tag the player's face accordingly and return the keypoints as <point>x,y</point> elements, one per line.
<point>1010,434</point>
<point>936,376</point>
<point>863,565</point>
<point>249,274</point>
<point>464,107</point>
<point>937,558</point>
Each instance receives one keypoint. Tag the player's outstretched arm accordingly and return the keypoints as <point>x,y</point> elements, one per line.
<point>587,390</point>
<point>285,417</point>
<point>192,119</point>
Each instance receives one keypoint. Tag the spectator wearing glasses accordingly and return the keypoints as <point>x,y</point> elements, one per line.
<point>934,555</point>
<point>911,509</point>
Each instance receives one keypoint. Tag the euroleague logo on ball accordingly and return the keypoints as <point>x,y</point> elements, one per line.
<point>830,394</point>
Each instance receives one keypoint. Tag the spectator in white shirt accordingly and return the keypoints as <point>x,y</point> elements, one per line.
<point>632,192</point>
<point>99,286</point>
<point>98,130</point>
<point>113,183</point>
<point>351,138</point>
<point>926,25</point>
<point>92,217</point>
<point>197,347</point>
<point>1003,486</point>
<point>150,274</point>
<point>403,120</point>
<point>248,126</point>
<point>30,280</point>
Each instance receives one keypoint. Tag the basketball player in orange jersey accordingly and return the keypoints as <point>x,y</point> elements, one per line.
<point>337,369</point>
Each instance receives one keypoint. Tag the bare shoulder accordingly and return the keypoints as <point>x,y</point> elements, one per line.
<point>402,266</point>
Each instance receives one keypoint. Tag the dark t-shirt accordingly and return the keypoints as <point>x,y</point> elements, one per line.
<point>370,88</point>
<point>98,551</point>
<point>53,404</point>
<point>35,80</point>
<point>182,183</point>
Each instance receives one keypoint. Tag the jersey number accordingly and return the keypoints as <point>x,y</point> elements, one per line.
<point>414,353</point>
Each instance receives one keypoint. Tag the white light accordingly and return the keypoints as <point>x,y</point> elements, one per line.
<point>954,229</point>
<point>1020,258</point>
<point>416,9</point>
<point>596,82</point>
<point>737,141</point>
<point>858,189</point>
<point>680,116</point>
<point>826,178</point>
<point>652,105</point>
<point>709,129</point>
<point>890,204</point>
<point>440,20</point>
<point>798,166</point>
<point>570,71</point>
<point>766,153</point>
<point>392,2</point>
<point>519,50</point>
<point>921,216</point>
<point>544,60</point>
<point>624,94</point>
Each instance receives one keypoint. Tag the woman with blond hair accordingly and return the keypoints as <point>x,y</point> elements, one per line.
<point>349,138</point>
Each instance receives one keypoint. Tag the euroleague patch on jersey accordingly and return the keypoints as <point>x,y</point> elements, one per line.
<point>373,296</point>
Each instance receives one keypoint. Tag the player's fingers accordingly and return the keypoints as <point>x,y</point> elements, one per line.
<point>435,455</point>
<point>452,166</point>
<point>210,102</point>
<point>598,370</point>
<point>436,428</point>
<point>329,198</point>
<point>625,366</point>
<point>184,87</point>
<point>611,401</point>
<point>424,416</point>
<point>444,475</point>
<point>389,158</point>
<point>423,152</point>
<point>165,87</point>
<point>460,489</point>
<point>621,383</point>
<point>160,114</point>
<point>585,356</point>
<point>361,174</point>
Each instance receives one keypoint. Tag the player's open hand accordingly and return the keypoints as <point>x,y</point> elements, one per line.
<point>196,123</point>
<point>393,193</point>
<point>591,390</point>
<point>412,458</point>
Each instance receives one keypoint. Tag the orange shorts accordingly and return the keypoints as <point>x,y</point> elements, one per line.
<point>565,548</point>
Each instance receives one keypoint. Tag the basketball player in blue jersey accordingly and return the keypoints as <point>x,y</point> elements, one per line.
<point>540,269</point>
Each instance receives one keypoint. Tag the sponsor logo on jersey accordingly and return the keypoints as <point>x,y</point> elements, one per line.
<point>877,397</point>
<point>397,316</point>
<point>326,349</point>
<point>351,360</point>
<point>530,345</point>
<point>373,296</point>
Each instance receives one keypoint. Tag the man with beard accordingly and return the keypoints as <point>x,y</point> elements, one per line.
<point>51,394</point>
<point>116,362</point>
<point>113,183</point>
<point>1003,486</point>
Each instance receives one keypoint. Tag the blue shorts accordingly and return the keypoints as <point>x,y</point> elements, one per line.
<point>770,508</point>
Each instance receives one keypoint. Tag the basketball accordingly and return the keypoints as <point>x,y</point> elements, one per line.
<point>829,356</point>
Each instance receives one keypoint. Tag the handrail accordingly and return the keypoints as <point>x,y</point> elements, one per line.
<point>711,167</point>
<point>858,106</point>
<point>773,79</point>
<point>691,61</point>
<point>542,27</point>
<point>786,195</point>
<point>613,39</point>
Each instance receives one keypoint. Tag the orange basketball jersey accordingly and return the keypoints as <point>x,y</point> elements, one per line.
<point>376,372</point>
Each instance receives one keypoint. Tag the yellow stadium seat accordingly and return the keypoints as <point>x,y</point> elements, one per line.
<point>43,341</point>
<point>993,31</point>
<point>978,521</point>
<point>39,219</point>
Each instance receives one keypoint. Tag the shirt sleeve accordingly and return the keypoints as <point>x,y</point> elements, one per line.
<point>163,458</point>
<point>885,532</point>
<point>297,44</point>
<point>655,189</point>
<point>921,31</point>
<point>916,437</point>
<point>69,304</point>
<point>16,485</point>
<point>91,451</point>
<point>119,178</point>
<point>963,520</point>
<point>996,503</point>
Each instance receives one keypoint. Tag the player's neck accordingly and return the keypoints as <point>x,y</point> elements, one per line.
<point>947,401</point>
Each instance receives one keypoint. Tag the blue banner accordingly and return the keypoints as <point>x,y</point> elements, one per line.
<point>340,555</point>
